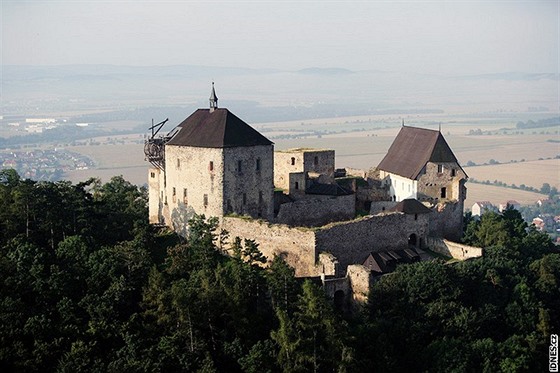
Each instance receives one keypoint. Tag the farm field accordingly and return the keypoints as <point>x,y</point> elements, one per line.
<point>111,160</point>
<point>531,173</point>
<point>497,195</point>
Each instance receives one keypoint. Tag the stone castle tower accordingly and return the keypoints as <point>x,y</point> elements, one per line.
<point>213,164</point>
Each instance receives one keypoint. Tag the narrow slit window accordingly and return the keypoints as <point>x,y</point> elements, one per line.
<point>239,167</point>
<point>258,165</point>
<point>211,166</point>
<point>205,200</point>
<point>293,161</point>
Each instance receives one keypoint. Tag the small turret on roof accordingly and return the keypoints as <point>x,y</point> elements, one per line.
<point>213,99</point>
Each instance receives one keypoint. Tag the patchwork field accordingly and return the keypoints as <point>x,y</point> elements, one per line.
<point>531,173</point>
<point>497,195</point>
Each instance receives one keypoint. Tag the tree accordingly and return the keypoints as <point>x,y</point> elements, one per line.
<point>545,189</point>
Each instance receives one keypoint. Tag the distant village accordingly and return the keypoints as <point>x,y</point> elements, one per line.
<point>543,215</point>
<point>49,165</point>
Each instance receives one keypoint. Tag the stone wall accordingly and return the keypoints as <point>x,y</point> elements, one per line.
<point>360,280</point>
<point>379,207</point>
<point>295,245</point>
<point>446,221</point>
<point>351,242</point>
<point>328,265</point>
<point>193,177</point>
<point>315,211</point>
<point>155,203</point>
<point>453,249</point>
<point>432,181</point>
<point>301,160</point>
<point>248,181</point>
<point>356,172</point>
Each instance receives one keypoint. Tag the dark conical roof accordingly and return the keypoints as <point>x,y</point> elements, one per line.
<point>215,129</point>
<point>412,149</point>
<point>411,206</point>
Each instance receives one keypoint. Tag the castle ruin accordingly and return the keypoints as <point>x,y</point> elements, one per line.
<point>325,222</point>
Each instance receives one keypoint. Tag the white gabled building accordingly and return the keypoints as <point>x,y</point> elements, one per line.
<point>421,165</point>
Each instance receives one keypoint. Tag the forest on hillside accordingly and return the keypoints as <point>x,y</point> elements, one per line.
<point>88,285</point>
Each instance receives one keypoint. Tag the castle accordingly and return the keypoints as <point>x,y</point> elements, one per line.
<point>336,224</point>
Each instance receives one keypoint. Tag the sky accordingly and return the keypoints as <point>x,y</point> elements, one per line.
<point>430,37</point>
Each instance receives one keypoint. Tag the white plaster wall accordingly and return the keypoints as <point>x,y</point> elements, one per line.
<point>400,187</point>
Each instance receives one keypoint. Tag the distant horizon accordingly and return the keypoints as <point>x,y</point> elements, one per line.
<point>457,74</point>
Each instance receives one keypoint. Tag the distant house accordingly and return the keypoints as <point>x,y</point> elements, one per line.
<point>538,223</point>
<point>543,202</point>
<point>480,207</point>
<point>509,204</point>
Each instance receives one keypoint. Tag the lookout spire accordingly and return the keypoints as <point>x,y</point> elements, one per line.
<point>213,99</point>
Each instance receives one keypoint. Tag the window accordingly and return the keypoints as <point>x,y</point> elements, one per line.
<point>415,216</point>
<point>205,200</point>
<point>211,166</point>
<point>161,195</point>
<point>297,185</point>
<point>258,166</point>
<point>244,198</point>
<point>293,161</point>
<point>440,168</point>
<point>185,199</point>
<point>316,161</point>
<point>239,169</point>
<point>260,196</point>
<point>174,195</point>
<point>443,192</point>
<point>178,163</point>
<point>152,174</point>
<point>453,172</point>
<point>174,192</point>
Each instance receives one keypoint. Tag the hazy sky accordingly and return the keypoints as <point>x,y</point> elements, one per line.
<point>447,37</point>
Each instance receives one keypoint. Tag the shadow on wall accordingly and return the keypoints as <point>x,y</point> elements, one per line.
<point>180,217</point>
